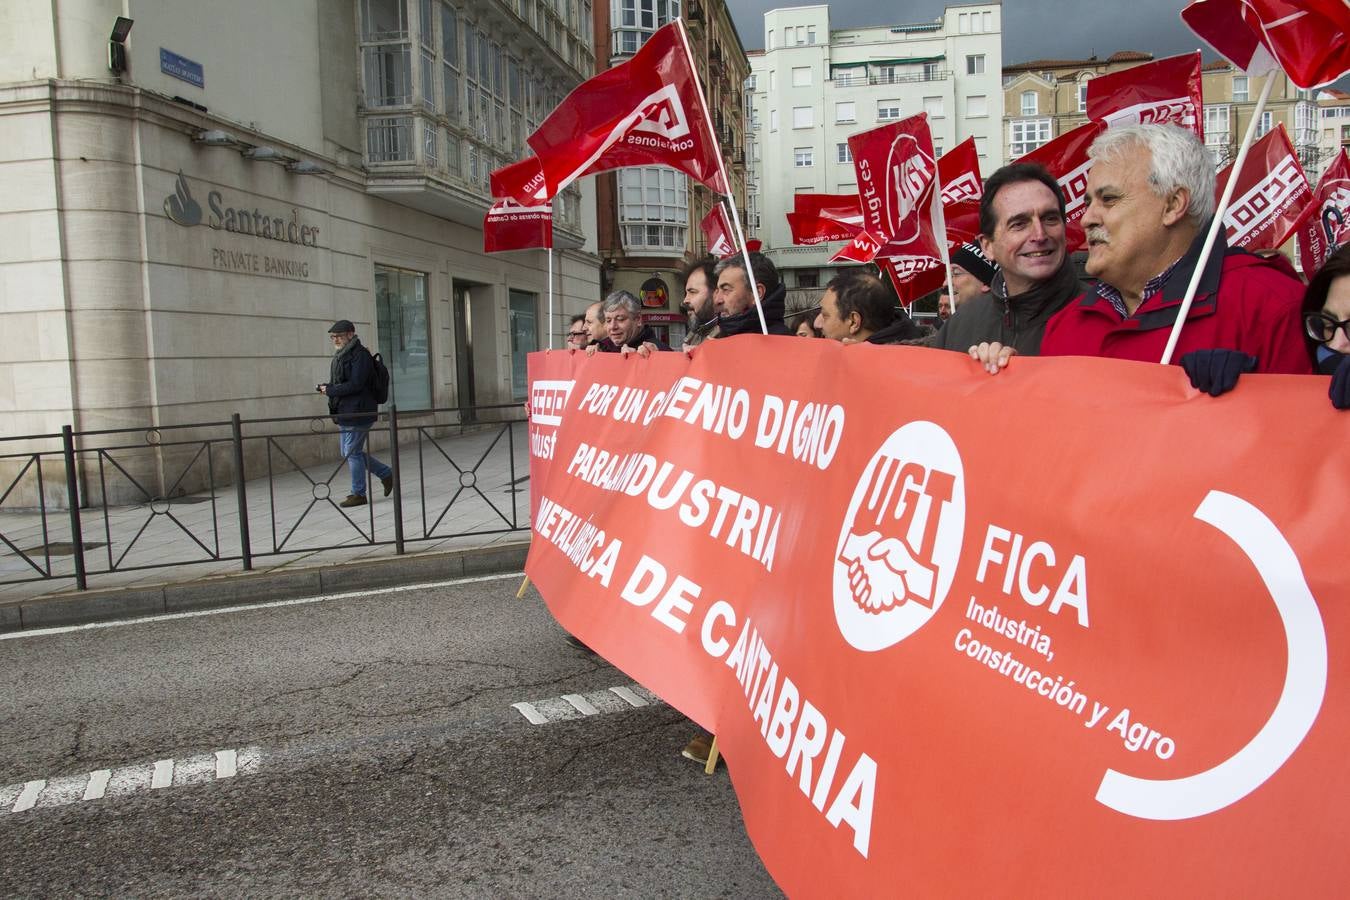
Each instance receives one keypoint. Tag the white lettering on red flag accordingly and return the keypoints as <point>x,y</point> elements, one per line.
<point>1270,197</point>
<point>1308,39</point>
<point>1167,90</point>
<point>1326,222</point>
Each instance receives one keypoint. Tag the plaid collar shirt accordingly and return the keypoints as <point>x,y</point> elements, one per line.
<point>1154,285</point>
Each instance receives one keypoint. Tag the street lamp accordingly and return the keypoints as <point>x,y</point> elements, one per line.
<point>117,49</point>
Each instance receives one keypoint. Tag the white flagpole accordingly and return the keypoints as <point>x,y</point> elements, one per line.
<point>549,251</point>
<point>940,225</point>
<point>731,200</point>
<point>1217,224</point>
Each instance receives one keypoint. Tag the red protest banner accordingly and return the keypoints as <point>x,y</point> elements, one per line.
<point>1052,664</point>
<point>718,233</point>
<point>1066,158</point>
<point>646,111</point>
<point>1325,225</point>
<point>510,226</point>
<point>1270,196</point>
<point>1308,39</point>
<point>1166,90</point>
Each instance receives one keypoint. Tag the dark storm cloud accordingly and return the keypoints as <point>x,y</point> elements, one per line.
<point>1032,29</point>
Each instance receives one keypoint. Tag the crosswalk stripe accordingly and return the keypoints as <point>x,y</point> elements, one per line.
<point>28,798</point>
<point>98,783</point>
<point>163,776</point>
<point>581,704</point>
<point>227,763</point>
<point>622,698</point>
<point>626,695</point>
<point>530,713</point>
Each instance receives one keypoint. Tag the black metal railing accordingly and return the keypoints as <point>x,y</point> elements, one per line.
<point>208,492</point>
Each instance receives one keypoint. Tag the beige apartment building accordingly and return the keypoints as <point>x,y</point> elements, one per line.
<point>1045,98</point>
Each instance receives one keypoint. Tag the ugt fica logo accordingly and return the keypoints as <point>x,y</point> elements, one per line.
<point>898,549</point>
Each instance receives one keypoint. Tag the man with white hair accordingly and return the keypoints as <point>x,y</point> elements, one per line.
<point>1150,196</point>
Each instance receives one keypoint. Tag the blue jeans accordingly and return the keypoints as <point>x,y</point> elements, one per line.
<point>352,440</point>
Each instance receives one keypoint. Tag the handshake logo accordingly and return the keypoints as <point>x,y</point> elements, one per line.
<point>901,539</point>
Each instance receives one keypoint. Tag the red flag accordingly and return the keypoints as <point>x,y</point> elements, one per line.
<point>521,181</point>
<point>718,232</point>
<point>1308,39</point>
<point>862,248</point>
<point>896,172</point>
<point>510,226</point>
<point>809,229</point>
<point>913,277</point>
<point>1270,197</point>
<point>962,188</point>
<point>816,218</point>
<point>1066,158</point>
<point>1326,222</point>
<point>1164,91</point>
<point>646,111</point>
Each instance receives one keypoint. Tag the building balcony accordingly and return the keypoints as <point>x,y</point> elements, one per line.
<point>859,79</point>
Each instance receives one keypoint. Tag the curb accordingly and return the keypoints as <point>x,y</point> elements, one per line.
<point>242,589</point>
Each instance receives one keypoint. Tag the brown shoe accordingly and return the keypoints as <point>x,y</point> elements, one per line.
<point>388,483</point>
<point>354,500</point>
<point>698,748</point>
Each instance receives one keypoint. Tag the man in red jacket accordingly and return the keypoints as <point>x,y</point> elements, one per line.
<point>1150,196</point>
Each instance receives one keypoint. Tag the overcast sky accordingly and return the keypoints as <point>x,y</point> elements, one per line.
<point>1032,29</point>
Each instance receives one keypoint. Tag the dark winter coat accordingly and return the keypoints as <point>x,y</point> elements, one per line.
<point>351,387</point>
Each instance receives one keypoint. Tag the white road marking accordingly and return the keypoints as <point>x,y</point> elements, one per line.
<point>530,713</point>
<point>163,776</point>
<point>28,797</point>
<point>623,698</point>
<point>98,783</point>
<point>580,705</point>
<point>126,780</point>
<point>169,617</point>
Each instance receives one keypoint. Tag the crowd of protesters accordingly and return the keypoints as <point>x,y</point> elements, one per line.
<point>1150,198</point>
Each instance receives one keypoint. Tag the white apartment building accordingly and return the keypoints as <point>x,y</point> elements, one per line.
<point>812,87</point>
<point>180,223</point>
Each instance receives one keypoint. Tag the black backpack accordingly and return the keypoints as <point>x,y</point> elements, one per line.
<point>379,381</point>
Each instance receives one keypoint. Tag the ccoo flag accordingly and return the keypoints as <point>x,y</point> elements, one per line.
<point>1270,196</point>
<point>1167,90</point>
<point>646,111</point>
<point>1308,39</point>
<point>510,226</point>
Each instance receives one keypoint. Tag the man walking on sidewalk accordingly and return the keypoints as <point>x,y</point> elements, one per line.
<point>351,391</point>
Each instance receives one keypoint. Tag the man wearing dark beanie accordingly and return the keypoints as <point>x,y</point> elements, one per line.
<point>972,273</point>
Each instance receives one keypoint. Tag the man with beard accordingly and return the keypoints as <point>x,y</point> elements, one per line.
<point>698,300</point>
<point>735,304</point>
<point>1022,229</point>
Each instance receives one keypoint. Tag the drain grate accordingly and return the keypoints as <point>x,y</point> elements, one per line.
<point>61,548</point>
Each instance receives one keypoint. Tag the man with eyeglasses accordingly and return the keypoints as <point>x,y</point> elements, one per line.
<point>578,335</point>
<point>625,332</point>
<point>350,390</point>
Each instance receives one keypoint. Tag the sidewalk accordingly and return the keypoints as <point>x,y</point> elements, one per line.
<point>465,511</point>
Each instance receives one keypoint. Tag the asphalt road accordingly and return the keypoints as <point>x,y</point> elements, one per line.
<point>362,746</point>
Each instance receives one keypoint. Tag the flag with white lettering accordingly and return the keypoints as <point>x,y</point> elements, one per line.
<point>1066,158</point>
<point>1308,39</point>
<point>646,111</point>
<point>1270,195</point>
<point>1325,225</point>
<point>521,181</point>
<point>896,171</point>
<point>962,188</point>
<point>862,248</point>
<point>912,276</point>
<point>817,218</point>
<point>510,226</point>
<point>718,233</point>
<point>1167,90</point>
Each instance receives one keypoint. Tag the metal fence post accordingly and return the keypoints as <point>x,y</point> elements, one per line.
<point>73,493</point>
<point>398,481</point>
<point>241,491</point>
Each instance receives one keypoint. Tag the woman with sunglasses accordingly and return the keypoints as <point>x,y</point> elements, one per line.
<point>1326,321</point>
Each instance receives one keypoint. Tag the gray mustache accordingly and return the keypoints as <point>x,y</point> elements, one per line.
<point>1098,234</point>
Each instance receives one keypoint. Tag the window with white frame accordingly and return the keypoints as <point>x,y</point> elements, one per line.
<point>773,80</point>
<point>635,20</point>
<point>885,74</point>
<point>987,21</point>
<point>842,153</point>
<point>845,111</point>
<point>1239,88</point>
<point>1305,128</point>
<point>963,23</point>
<point>386,53</point>
<point>803,117</point>
<point>770,40</point>
<point>773,120</point>
<point>1030,103</point>
<point>801,76</point>
<point>653,208</point>
<point>843,76</point>
<point>803,157</point>
<point>751,82</point>
<point>937,148</point>
<point>977,105</point>
<point>810,34</point>
<point>1216,124</point>
<point>1082,93</point>
<point>888,110</point>
<point>1267,123</point>
<point>975,64</point>
<point>1025,135</point>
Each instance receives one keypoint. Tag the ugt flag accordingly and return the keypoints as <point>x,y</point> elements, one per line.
<point>1270,195</point>
<point>1167,90</point>
<point>896,172</point>
<point>718,232</point>
<point>1325,225</point>
<point>646,111</point>
<point>1308,39</point>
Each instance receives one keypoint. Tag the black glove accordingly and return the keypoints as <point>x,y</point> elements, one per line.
<point>1216,371</point>
<point>1340,385</point>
